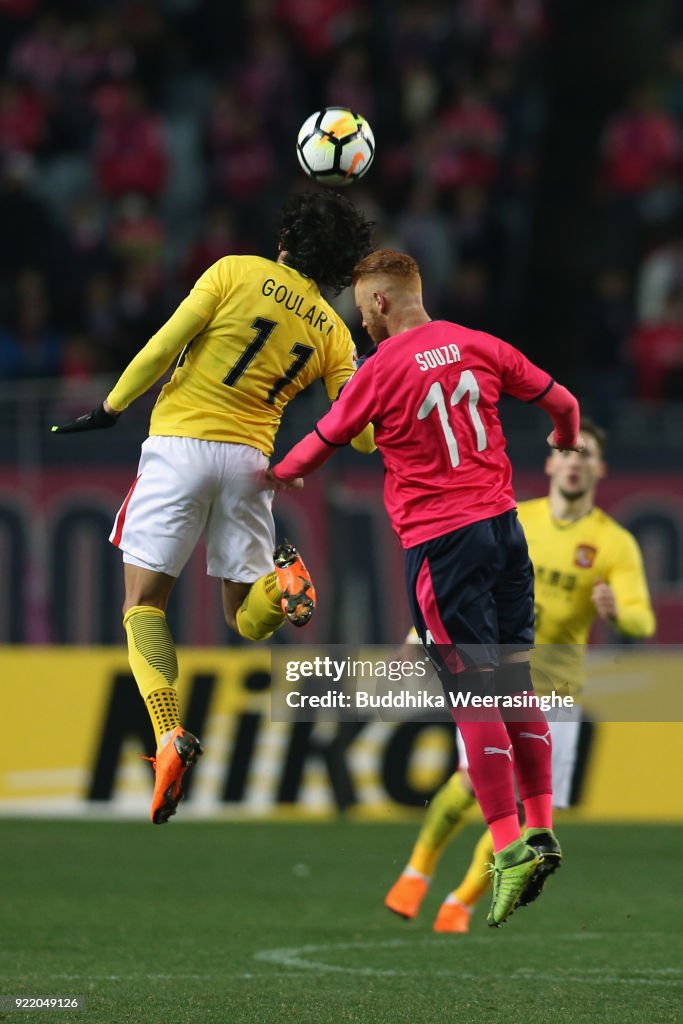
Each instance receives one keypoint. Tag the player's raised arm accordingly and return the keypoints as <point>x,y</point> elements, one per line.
<point>149,364</point>
<point>563,410</point>
<point>528,382</point>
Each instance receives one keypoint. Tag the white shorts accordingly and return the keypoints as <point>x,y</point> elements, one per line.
<point>185,488</point>
<point>565,738</point>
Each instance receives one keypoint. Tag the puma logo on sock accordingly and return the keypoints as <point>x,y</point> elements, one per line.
<point>499,750</point>
<point>535,736</point>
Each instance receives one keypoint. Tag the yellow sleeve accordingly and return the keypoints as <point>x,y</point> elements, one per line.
<point>365,441</point>
<point>191,316</point>
<point>626,577</point>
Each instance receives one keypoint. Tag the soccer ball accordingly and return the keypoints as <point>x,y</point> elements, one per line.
<point>335,146</point>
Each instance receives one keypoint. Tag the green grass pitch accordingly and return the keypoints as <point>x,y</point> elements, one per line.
<point>237,923</point>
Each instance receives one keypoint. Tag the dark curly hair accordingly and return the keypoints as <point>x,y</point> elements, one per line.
<point>324,236</point>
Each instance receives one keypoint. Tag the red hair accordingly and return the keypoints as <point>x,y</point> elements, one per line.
<point>386,261</point>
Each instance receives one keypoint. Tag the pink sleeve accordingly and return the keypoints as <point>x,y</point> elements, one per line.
<point>352,411</point>
<point>520,377</point>
<point>525,380</point>
<point>563,409</point>
<point>309,453</point>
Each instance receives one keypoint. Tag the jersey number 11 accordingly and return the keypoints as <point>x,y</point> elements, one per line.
<point>434,399</point>
<point>264,328</point>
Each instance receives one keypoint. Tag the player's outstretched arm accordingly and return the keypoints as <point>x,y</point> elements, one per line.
<point>349,415</point>
<point>307,455</point>
<point>364,442</point>
<point>273,483</point>
<point>155,358</point>
<point>530,383</point>
<point>143,370</point>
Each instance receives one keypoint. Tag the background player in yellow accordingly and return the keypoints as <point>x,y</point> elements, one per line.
<point>586,566</point>
<point>251,334</point>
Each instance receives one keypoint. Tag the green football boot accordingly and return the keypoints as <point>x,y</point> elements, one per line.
<point>542,840</point>
<point>511,872</point>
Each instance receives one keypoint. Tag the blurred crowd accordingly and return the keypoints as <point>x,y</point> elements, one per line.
<point>633,327</point>
<point>141,140</point>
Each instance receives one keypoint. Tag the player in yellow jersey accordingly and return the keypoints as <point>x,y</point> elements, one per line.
<point>251,334</point>
<point>586,566</point>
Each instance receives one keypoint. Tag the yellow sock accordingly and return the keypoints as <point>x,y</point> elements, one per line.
<point>444,818</point>
<point>164,711</point>
<point>476,881</point>
<point>153,662</point>
<point>260,614</point>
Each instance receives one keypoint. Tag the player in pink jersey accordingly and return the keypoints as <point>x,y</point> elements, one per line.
<point>431,390</point>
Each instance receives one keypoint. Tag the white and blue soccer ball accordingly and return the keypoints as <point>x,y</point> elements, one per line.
<point>335,146</point>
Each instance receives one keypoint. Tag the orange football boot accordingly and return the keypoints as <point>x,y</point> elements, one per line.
<point>453,917</point>
<point>406,895</point>
<point>293,579</point>
<point>170,764</point>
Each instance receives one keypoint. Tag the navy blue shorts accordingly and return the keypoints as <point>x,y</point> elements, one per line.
<point>474,589</point>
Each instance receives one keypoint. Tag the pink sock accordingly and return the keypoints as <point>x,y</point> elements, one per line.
<point>538,810</point>
<point>504,831</point>
<point>532,744</point>
<point>531,738</point>
<point>489,752</point>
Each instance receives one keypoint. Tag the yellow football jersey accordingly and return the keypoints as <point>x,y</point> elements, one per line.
<point>569,558</point>
<point>268,333</point>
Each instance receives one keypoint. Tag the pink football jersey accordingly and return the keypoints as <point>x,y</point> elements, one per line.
<point>432,394</point>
